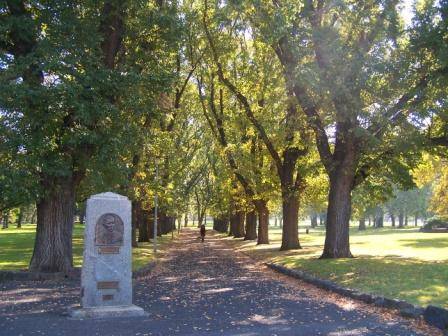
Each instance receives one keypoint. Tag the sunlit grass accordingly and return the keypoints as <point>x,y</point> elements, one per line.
<point>397,263</point>
<point>16,248</point>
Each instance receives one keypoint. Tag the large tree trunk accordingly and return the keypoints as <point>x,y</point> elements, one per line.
<point>55,216</point>
<point>237,224</point>
<point>290,229</point>
<point>186,220</point>
<point>337,243</point>
<point>251,226</point>
<point>362,223</point>
<point>221,224</point>
<point>263,222</point>
<point>416,220</point>
<point>290,202</point>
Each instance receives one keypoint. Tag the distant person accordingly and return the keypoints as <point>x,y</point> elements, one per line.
<point>202,232</point>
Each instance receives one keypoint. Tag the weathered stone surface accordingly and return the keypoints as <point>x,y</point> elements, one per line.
<point>436,316</point>
<point>108,312</point>
<point>106,279</point>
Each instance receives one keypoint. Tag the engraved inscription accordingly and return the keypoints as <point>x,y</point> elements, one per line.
<point>108,297</point>
<point>108,250</point>
<point>107,285</point>
<point>109,230</point>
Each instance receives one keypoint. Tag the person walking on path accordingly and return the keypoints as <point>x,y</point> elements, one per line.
<point>202,232</point>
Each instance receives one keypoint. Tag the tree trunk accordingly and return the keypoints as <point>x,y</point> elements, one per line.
<point>320,220</point>
<point>370,220</point>
<point>275,221</point>
<point>400,219</point>
<point>251,226</point>
<point>379,218</point>
<point>290,229</point>
<point>20,218</point>
<point>186,220</point>
<point>392,219</point>
<point>337,243</point>
<point>220,224</point>
<point>362,223</point>
<point>415,220</point>
<point>313,220</point>
<point>263,222</point>
<point>55,217</point>
<point>237,224</point>
<point>406,219</point>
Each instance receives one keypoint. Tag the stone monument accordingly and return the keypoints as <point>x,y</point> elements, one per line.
<point>106,279</point>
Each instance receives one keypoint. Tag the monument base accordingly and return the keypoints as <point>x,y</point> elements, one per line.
<point>107,312</point>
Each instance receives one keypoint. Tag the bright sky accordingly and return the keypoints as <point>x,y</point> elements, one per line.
<point>407,11</point>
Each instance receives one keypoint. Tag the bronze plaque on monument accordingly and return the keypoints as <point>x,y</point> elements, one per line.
<point>107,285</point>
<point>108,249</point>
<point>109,231</point>
<point>108,297</point>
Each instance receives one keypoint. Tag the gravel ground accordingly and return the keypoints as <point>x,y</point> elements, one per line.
<point>201,289</point>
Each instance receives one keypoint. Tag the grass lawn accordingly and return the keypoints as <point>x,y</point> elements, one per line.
<point>396,263</point>
<point>17,248</point>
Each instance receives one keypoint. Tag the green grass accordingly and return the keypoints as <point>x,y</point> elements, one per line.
<point>17,248</point>
<point>396,263</point>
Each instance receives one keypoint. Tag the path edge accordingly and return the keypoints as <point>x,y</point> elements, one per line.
<point>433,315</point>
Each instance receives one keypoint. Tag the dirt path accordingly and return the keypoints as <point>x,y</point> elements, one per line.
<point>199,289</point>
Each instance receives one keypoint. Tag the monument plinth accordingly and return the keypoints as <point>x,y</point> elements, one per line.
<point>106,279</point>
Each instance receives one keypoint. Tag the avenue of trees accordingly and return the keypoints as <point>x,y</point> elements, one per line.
<point>238,109</point>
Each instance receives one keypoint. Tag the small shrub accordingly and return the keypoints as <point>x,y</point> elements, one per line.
<point>436,223</point>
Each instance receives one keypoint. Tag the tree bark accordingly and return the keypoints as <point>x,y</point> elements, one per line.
<point>362,224</point>
<point>220,224</point>
<point>290,201</point>
<point>337,243</point>
<point>263,222</point>
<point>20,217</point>
<point>416,220</point>
<point>406,219</point>
<point>392,219</point>
<point>55,217</point>
<point>237,224</point>
<point>290,228</point>
<point>401,219</point>
<point>379,218</point>
<point>251,226</point>
<point>186,220</point>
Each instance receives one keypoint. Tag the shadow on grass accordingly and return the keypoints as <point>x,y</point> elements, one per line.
<point>412,280</point>
<point>425,243</point>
